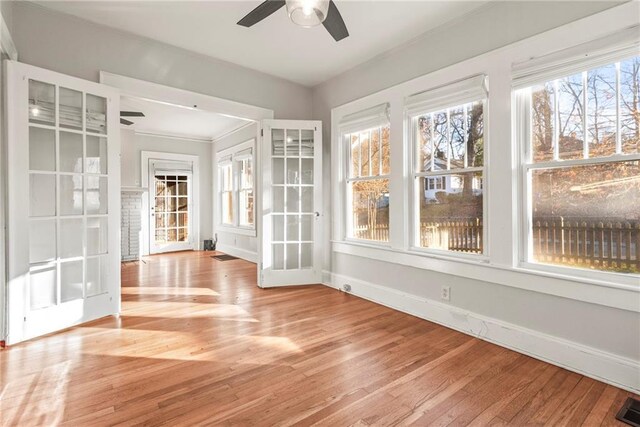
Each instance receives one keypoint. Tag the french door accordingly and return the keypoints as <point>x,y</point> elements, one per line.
<point>63,210</point>
<point>291,229</point>
<point>170,211</point>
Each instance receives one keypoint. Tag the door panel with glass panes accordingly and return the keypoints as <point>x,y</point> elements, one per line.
<point>170,211</point>
<point>63,211</point>
<point>292,197</point>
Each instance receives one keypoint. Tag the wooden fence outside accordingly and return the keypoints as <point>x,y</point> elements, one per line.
<point>605,245</point>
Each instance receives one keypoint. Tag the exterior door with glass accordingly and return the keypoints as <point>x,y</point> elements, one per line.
<point>291,226</point>
<point>170,211</point>
<point>63,209</point>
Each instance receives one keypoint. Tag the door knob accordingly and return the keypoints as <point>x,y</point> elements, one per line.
<point>317,214</point>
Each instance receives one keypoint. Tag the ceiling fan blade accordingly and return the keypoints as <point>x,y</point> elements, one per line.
<point>335,24</point>
<point>131,114</point>
<point>259,13</point>
<point>125,122</point>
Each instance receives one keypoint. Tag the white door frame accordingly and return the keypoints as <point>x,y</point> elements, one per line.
<point>8,48</point>
<point>194,219</point>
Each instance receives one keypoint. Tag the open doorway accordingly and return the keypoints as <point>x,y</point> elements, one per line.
<point>168,137</point>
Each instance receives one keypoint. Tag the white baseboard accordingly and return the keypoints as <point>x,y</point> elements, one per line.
<point>237,252</point>
<point>606,367</point>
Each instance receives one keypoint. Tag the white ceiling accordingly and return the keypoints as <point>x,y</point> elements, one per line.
<point>275,46</point>
<point>171,120</point>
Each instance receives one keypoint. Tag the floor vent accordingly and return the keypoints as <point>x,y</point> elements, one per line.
<point>224,257</point>
<point>630,412</point>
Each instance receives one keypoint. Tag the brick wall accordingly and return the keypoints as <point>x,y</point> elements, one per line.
<point>131,224</point>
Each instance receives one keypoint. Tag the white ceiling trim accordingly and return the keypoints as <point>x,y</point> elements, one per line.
<point>183,98</point>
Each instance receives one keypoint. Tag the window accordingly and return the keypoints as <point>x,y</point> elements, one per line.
<point>245,192</point>
<point>582,168</point>
<point>226,192</point>
<point>235,184</point>
<point>436,183</point>
<point>448,167</point>
<point>367,178</point>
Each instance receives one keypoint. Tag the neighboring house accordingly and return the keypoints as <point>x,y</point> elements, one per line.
<point>449,183</point>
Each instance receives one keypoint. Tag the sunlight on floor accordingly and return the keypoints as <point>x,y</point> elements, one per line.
<point>46,398</point>
<point>183,310</point>
<point>167,290</point>
<point>193,346</point>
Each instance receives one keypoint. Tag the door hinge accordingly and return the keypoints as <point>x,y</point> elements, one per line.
<point>261,132</point>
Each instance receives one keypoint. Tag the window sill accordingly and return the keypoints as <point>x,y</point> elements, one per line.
<point>368,243</point>
<point>611,292</point>
<point>244,231</point>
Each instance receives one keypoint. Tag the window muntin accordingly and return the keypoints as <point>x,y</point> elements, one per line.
<point>582,169</point>
<point>368,183</point>
<point>447,175</point>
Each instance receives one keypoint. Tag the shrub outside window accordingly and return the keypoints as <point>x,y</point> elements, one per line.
<point>582,168</point>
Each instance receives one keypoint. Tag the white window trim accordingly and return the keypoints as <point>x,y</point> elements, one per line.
<point>522,108</point>
<point>358,122</point>
<point>242,151</point>
<point>457,93</point>
<point>503,267</point>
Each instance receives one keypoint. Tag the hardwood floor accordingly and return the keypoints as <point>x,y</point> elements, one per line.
<point>199,343</point>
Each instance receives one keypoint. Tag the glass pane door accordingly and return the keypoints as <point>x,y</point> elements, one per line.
<point>68,195</point>
<point>170,213</point>
<point>292,190</point>
<point>293,196</point>
<point>63,211</point>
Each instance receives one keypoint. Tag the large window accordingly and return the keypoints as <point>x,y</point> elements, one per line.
<point>448,170</point>
<point>582,168</point>
<point>368,183</point>
<point>235,186</point>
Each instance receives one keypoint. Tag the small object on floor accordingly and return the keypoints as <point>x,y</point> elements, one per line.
<point>210,244</point>
<point>630,412</point>
<point>224,257</point>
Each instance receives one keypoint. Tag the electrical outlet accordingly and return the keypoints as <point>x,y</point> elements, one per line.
<point>445,293</point>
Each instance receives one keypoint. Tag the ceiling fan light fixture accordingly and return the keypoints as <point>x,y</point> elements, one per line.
<point>307,13</point>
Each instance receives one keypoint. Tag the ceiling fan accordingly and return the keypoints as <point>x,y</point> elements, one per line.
<point>306,13</point>
<point>129,114</point>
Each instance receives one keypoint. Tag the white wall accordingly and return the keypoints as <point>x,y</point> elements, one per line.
<point>131,158</point>
<point>80,48</point>
<point>609,332</point>
<point>236,244</point>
